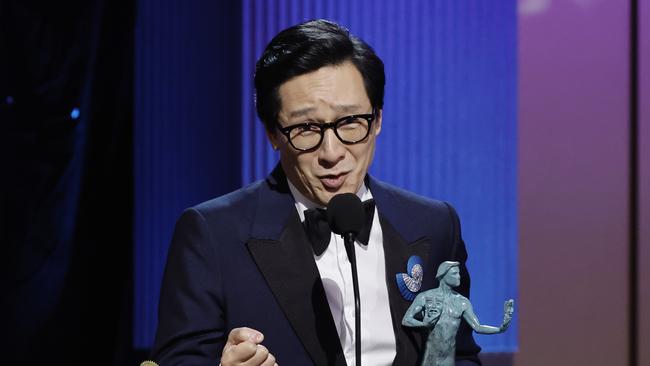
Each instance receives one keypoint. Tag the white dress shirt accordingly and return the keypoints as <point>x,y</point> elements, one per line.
<point>377,337</point>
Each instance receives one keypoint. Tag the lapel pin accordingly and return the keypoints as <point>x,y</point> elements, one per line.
<point>410,283</point>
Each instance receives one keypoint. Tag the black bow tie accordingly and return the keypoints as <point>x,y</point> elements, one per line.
<point>318,230</point>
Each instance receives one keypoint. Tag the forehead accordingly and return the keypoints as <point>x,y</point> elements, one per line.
<point>335,87</point>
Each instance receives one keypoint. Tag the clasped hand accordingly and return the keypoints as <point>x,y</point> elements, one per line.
<point>244,348</point>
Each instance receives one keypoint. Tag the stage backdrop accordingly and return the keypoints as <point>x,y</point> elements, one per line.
<point>449,128</point>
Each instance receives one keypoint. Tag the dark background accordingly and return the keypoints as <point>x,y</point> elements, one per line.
<point>66,81</point>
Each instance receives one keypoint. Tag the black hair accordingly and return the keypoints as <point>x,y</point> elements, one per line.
<point>307,47</point>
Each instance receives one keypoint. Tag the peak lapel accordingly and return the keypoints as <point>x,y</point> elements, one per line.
<point>286,261</point>
<point>403,238</point>
<point>397,252</point>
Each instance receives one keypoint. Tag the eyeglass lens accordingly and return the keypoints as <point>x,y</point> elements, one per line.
<point>350,130</point>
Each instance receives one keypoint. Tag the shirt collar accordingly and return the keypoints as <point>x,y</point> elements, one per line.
<point>303,203</point>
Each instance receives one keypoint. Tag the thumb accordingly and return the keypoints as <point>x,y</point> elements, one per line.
<point>243,334</point>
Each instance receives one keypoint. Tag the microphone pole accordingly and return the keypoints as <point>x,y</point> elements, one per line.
<point>346,217</point>
<point>348,240</point>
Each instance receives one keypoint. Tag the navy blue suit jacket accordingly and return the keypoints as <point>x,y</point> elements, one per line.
<point>243,260</point>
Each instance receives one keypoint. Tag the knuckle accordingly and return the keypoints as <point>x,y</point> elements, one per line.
<point>239,353</point>
<point>262,350</point>
<point>226,359</point>
<point>233,333</point>
<point>250,348</point>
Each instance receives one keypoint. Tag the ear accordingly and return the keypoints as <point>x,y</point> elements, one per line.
<point>274,138</point>
<point>378,119</point>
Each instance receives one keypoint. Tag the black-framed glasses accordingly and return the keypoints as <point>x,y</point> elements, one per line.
<point>309,135</point>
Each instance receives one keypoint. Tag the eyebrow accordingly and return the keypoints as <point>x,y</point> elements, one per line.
<point>341,108</point>
<point>301,112</point>
<point>347,108</point>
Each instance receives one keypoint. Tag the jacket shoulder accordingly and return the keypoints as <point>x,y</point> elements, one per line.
<point>239,198</point>
<point>234,210</point>
<point>414,215</point>
<point>413,201</point>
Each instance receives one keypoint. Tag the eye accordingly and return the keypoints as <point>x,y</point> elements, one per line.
<point>305,130</point>
<point>351,123</point>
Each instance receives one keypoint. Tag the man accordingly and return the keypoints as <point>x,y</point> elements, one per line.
<point>441,310</point>
<point>245,284</point>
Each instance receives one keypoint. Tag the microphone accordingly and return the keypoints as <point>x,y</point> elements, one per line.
<point>346,217</point>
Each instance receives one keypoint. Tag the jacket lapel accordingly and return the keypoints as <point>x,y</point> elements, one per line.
<point>397,252</point>
<point>403,238</point>
<point>279,247</point>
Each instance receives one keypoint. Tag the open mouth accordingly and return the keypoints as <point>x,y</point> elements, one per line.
<point>333,182</point>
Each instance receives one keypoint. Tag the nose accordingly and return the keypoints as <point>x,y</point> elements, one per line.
<point>331,150</point>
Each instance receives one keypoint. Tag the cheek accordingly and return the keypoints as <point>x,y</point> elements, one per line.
<point>369,151</point>
<point>293,164</point>
<point>307,164</point>
<point>363,158</point>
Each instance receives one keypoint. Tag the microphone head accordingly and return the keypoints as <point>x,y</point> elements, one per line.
<point>345,214</point>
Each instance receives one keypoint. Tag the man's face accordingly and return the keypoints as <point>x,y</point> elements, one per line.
<point>325,95</point>
<point>452,278</point>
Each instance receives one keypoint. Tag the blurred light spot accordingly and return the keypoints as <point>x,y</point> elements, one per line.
<point>9,100</point>
<point>532,7</point>
<point>75,113</point>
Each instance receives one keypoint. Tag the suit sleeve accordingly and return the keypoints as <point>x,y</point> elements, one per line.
<point>191,327</point>
<point>466,348</point>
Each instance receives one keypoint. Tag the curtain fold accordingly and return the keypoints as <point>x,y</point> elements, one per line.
<point>66,76</point>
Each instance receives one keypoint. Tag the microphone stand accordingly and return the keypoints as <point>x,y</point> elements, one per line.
<point>348,240</point>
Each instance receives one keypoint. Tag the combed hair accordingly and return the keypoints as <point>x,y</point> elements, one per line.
<point>307,47</point>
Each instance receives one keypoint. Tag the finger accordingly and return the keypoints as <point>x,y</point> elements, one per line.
<point>270,361</point>
<point>236,354</point>
<point>260,356</point>
<point>243,334</point>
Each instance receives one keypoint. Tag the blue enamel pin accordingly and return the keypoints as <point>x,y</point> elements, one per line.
<point>410,283</point>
